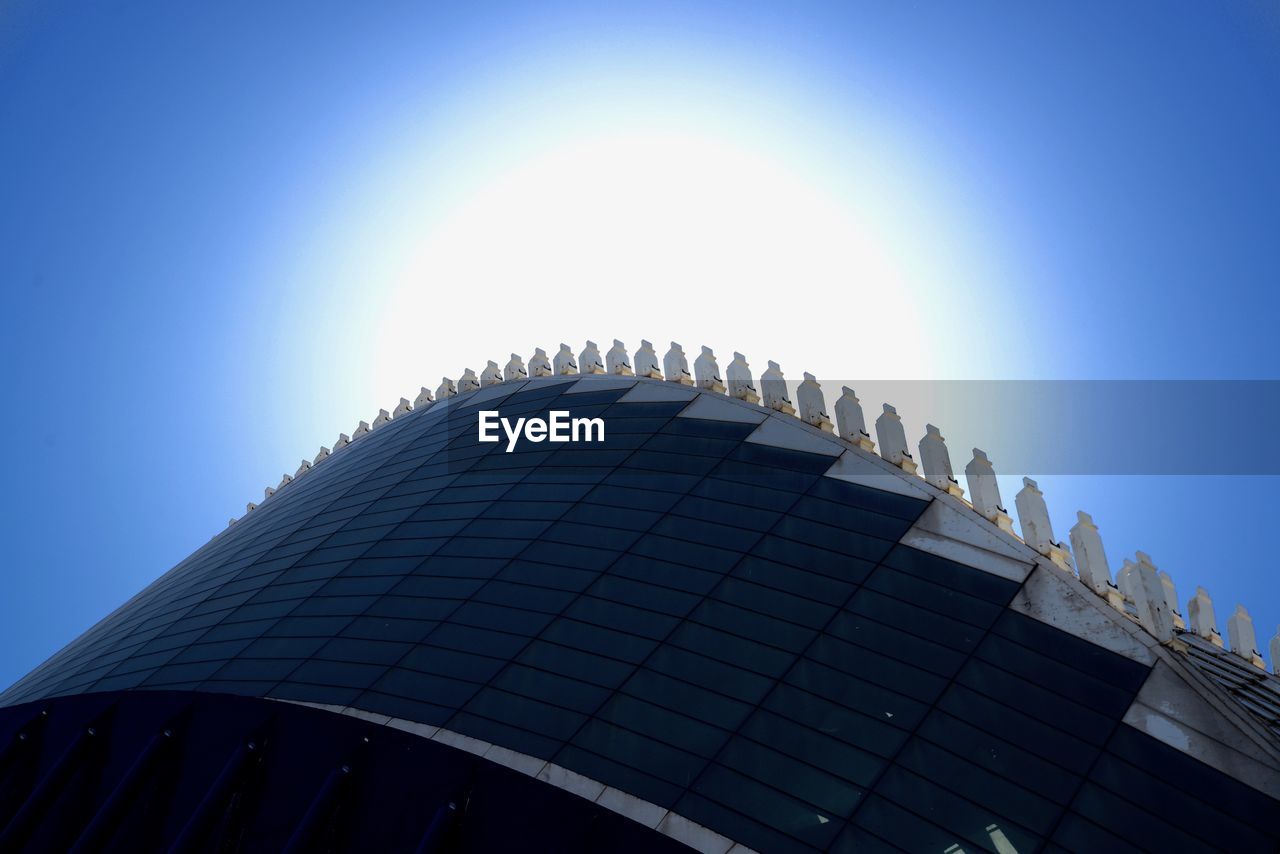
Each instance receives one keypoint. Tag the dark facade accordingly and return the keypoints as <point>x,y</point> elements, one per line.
<point>689,615</point>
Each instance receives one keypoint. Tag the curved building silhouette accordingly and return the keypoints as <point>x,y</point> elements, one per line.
<point>723,626</point>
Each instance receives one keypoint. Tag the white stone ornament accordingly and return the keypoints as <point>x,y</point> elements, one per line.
<point>267,493</point>
<point>284,481</point>
<point>362,429</point>
<point>1244,642</point>
<point>468,381</point>
<point>402,408</point>
<point>984,490</point>
<point>590,361</point>
<point>1037,532</point>
<point>514,369</point>
<point>675,366</point>
<point>811,404</point>
<point>1091,560</point>
<point>1203,621</point>
<point>424,399</point>
<point>893,440</point>
<point>647,361</point>
<point>302,469</point>
<point>616,360</point>
<point>383,417</point>
<point>1149,598</point>
<point>706,373</point>
<point>342,442</point>
<point>324,452</point>
<point>491,375</point>
<point>250,507</point>
<point>936,462</point>
<point>1171,601</point>
<point>741,383</point>
<point>773,387</point>
<point>446,389</point>
<point>563,363</point>
<point>851,425</point>
<point>539,365</point>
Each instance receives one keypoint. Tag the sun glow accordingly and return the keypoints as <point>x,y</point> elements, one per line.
<point>648,234</point>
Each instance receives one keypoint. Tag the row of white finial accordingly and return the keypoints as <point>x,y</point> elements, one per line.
<point>1143,591</point>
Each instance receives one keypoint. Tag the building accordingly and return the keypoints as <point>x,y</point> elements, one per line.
<point>731,624</point>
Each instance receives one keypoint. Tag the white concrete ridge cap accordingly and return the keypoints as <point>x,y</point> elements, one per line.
<point>590,360</point>
<point>616,360</point>
<point>1203,621</point>
<point>675,366</point>
<point>539,365</point>
<point>936,460</point>
<point>1244,641</point>
<point>515,369</point>
<point>1149,598</point>
<point>1091,557</point>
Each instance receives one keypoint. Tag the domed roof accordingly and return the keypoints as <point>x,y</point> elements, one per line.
<point>744,624</point>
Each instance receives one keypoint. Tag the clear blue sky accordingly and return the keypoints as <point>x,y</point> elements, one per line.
<point>206,214</point>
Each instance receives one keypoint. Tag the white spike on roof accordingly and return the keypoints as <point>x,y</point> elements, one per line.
<point>563,364</point>
<point>302,469</point>
<point>514,369</point>
<point>647,361</point>
<point>1203,621</point>
<point>362,429</point>
<point>1149,599</point>
<point>675,366</point>
<point>893,440</point>
<point>468,382</point>
<point>539,365</point>
<point>1244,642</point>
<point>984,490</point>
<point>268,492</point>
<point>773,388</point>
<point>1037,532</point>
<point>383,417</point>
<point>250,507</point>
<point>616,360</point>
<point>812,405</point>
<point>424,398</point>
<point>402,408</point>
<point>936,462</point>
<point>706,373</point>
<point>285,480</point>
<point>342,441</point>
<point>446,389</point>
<point>491,375</point>
<point>320,455</point>
<point>1171,601</point>
<point>589,360</point>
<point>741,384</point>
<point>851,425</point>
<point>1091,560</point>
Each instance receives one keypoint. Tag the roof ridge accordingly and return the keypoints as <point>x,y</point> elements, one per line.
<point>1140,592</point>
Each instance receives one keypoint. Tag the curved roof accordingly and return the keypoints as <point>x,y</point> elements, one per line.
<point>742,620</point>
